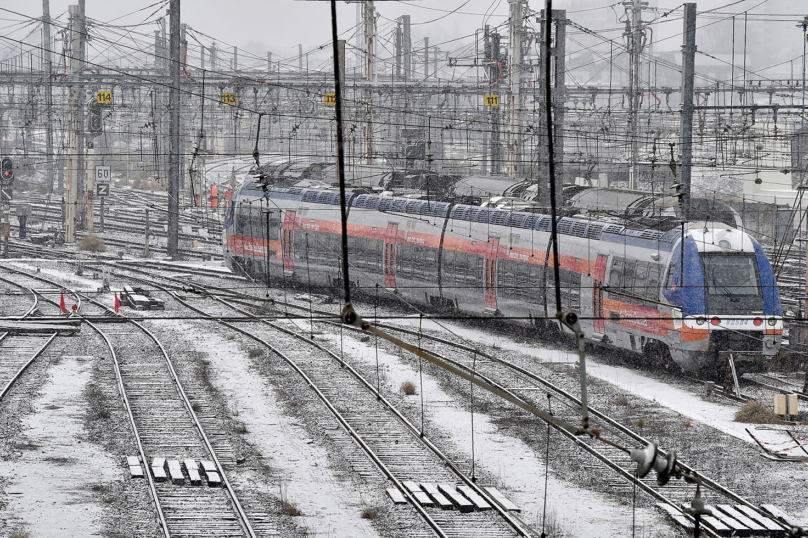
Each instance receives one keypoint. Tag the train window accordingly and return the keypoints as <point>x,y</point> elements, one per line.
<point>570,289</point>
<point>654,277</point>
<point>641,279</point>
<point>671,277</point>
<point>616,274</point>
<point>629,269</point>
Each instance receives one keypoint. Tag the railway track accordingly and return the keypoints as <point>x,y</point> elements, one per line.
<point>779,383</point>
<point>504,374</point>
<point>391,442</point>
<point>736,514</point>
<point>19,351</point>
<point>165,425</point>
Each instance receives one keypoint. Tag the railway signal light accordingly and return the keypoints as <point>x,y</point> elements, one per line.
<point>96,121</point>
<point>7,169</point>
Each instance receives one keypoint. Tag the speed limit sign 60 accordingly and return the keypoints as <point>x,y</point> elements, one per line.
<point>103,174</point>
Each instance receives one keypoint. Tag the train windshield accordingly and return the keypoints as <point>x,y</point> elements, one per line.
<point>732,282</point>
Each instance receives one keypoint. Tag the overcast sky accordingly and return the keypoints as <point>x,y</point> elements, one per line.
<point>258,26</point>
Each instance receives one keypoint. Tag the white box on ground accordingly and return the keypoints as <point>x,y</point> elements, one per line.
<point>780,404</point>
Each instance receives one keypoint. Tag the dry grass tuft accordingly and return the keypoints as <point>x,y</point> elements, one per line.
<point>98,402</point>
<point>408,388</point>
<point>755,412</point>
<point>93,243</point>
<point>289,509</point>
<point>240,428</point>
<point>255,352</point>
<point>19,534</point>
<point>622,400</point>
<point>109,500</point>
<point>641,423</point>
<point>370,513</point>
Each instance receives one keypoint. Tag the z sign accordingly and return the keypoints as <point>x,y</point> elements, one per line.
<point>102,189</point>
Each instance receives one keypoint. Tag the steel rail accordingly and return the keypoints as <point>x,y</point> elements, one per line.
<point>25,366</point>
<point>127,407</point>
<point>348,428</point>
<point>704,479</point>
<point>36,355</point>
<point>610,421</point>
<point>517,526</point>
<point>119,379</point>
<point>231,492</point>
<point>186,401</point>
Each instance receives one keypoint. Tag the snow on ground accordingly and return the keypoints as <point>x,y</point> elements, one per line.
<point>715,414</point>
<point>69,279</point>
<point>48,488</point>
<point>329,507</point>
<point>519,470</point>
<point>211,265</point>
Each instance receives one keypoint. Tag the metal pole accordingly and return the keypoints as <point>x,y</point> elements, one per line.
<point>514,103</point>
<point>370,67</point>
<point>146,249</point>
<point>73,122</point>
<point>340,152</point>
<point>174,132</point>
<point>688,77</point>
<point>407,48</point>
<point>426,58</point>
<point>82,143</point>
<point>46,46</point>
<point>635,47</point>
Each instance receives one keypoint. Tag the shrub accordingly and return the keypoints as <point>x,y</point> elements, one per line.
<point>370,513</point>
<point>240,428</point>
<point>408,388</point>
<point>93,243</point>
<point>641,423</point>
<point>622,400</point>
<point>755,412</point>
<point>255,352</point>
<point>289,509</point>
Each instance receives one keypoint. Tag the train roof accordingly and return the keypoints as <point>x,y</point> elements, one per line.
<point>589,229</point>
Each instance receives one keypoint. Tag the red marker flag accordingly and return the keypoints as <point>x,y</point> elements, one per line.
<point>62,304</point>
<point>117,303</point>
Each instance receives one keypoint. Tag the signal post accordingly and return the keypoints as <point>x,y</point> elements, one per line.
<point>6,181</point>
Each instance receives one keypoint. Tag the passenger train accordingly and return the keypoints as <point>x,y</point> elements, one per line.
<point>691,292</point>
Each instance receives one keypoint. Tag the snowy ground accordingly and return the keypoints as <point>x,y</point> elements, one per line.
<point>49,487</point>
<point>716,414</point>
<point>519,471</point>
<point>329,506</point>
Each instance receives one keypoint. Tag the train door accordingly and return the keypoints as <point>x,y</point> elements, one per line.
<point>597,294</point>
<point>287,246</point>
<point>390,256</point>
<point>490,274</point>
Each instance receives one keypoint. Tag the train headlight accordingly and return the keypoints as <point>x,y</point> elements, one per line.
<point>772,321</point>
<point>716,320</point>
<point>726,245</point>
<point>758,322</point>
<point>700,320</point>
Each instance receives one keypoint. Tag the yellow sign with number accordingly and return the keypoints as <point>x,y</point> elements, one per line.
<point>492,100</point>
<point>103,98</point>
<point>229,98</point>
<point>331,98</point>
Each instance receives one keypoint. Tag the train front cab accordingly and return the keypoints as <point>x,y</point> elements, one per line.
<point>725,286</point>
